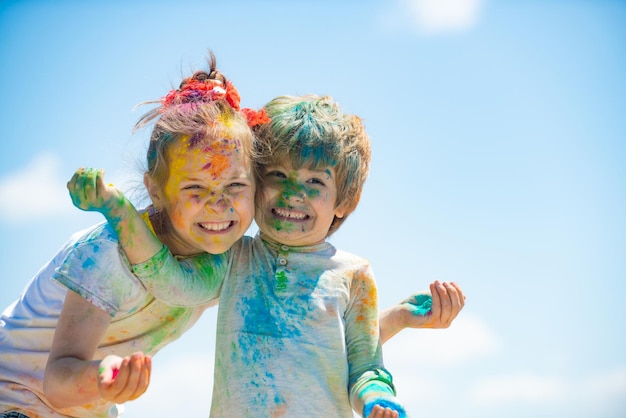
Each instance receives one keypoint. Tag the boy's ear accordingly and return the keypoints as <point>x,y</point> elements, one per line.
<point>153,190</point>
<point>340,211</point>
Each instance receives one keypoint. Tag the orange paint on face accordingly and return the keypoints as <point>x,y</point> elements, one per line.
<point>209,183</point>
<point>219,163</point>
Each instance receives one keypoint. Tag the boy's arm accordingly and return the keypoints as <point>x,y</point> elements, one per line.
<point>191,282</point>
<point>434,309</point>
<point>370,383</point>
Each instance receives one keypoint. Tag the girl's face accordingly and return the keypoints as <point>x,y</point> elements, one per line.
<point>297,207</point>
<point>209,196</point>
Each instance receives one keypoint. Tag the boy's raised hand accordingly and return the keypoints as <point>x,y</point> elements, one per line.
<point>89,192</point>
<point>436,310</point>
<point>122,379</point>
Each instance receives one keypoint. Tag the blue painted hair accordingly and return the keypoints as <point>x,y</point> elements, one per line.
<point>312,132</point>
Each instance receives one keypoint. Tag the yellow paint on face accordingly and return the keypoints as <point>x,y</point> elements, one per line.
<point>208,182</point>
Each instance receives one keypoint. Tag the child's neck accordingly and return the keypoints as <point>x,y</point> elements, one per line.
<point>266,238</point>
<point>165,233</point>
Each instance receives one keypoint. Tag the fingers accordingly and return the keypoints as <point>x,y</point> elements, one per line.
<point>380,412</point>
<point>435,309</point>
<point>448,300</point>
<point>131,381</point>
<point>446,303</point>
<point>144,378</point>
<point>457,299</point>
<point>87,188</point>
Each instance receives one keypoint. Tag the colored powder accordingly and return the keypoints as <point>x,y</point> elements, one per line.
<point>422,305</point>
<point>281,281</point>
<point>385,403</point>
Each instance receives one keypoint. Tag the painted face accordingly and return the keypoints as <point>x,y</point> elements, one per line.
<point>209,195</point>
<point>297,207</point>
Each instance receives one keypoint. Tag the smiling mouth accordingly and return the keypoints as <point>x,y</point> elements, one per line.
<point>216,226</point>
<point>290,215</point>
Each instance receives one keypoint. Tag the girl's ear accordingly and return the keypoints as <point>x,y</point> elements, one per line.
<point>153,190</point>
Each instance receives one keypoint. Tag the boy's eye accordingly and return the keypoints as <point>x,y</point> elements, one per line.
<point>317,181</point>
<point>276,174</point>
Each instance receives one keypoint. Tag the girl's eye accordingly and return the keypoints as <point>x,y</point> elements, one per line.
<point>193,187</point>
<point>236,185</point>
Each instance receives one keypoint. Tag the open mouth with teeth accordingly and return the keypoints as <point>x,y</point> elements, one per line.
<point>216,226</point>
<point>290,215</point>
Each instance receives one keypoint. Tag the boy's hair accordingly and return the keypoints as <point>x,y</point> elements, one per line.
<point>205,109</point>
<point>311,131</point>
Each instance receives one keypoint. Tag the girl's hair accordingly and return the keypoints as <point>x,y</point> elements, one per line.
<point>205,109</point>
<point>311,131</point>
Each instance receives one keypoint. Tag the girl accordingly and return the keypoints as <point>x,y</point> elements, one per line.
<point>84,318</point>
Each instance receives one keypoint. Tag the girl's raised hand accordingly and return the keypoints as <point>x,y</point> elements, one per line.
<point>124,379</point>
<point>89,191</point>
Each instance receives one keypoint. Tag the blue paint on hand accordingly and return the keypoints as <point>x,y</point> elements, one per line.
<point>422,305</point>
<point>385,403</point>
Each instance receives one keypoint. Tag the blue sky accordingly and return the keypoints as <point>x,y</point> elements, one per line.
<point>499,150</point>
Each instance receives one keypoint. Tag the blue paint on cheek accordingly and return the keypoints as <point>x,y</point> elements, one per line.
<point>312,193</point>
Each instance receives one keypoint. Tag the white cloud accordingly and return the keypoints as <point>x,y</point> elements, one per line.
<point>524,387</point>
<point>436,16</point>
<point>468,338</point>
<point>602,391</point>
<point>36,191</point>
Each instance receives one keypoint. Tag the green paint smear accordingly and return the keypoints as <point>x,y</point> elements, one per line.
<point>281,281</point>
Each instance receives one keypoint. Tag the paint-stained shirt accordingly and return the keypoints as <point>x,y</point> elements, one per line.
<point>91,265</point>
<point>297,331</point>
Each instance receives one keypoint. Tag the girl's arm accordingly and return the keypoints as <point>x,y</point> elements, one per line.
<point>73,377</point>
<point>434,309</point>
<point>89,192</point>
<point>190,282</point>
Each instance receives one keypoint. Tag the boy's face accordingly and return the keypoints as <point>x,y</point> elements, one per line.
<point>209,195</point>
<point>297,206</point>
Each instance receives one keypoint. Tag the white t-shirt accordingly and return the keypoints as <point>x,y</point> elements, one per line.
<point>89,264</point>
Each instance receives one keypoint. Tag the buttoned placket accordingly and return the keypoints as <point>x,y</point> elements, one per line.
<point>281,279</point>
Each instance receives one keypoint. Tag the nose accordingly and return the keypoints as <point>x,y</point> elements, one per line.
<point>217,202</point>
<point>295,192</point>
